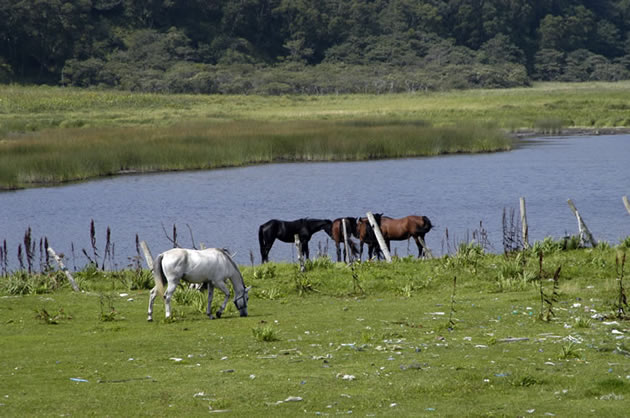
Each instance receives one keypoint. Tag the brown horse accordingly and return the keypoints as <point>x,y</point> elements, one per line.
<point>396,230</point>
<point>337,236</point>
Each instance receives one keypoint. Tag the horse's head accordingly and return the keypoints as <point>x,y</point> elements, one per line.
<point>427,223</point>
<point>321,224</point>
<point>328,227</point>
<point>241,301</point>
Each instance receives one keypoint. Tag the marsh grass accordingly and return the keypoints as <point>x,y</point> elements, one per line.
<point>379,353</point>
<point>62,155</point>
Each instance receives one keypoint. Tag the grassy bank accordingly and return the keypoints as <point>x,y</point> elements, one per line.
<point>52,135</point>
<point>380,339</point>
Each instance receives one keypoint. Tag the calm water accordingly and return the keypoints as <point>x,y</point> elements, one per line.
<point>225,207</point>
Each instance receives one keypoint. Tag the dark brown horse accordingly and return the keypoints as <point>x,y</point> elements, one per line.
<point>397,230</point>
<point>285,231</point>
<point>337,236</point>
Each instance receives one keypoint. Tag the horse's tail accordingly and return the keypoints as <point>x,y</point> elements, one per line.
<point>261,241</point>
<point>158,274</point>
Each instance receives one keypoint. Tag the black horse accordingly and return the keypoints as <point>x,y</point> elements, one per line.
<point>285,231</point>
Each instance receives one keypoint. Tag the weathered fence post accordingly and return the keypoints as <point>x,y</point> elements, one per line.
<point>626,203</point>
<point>379,237</point>
<point>427,251</point>
<point>298,245</point>
<point>345,240</point>
<point>584,231</point>
<point>63,268</point>
<point>147,254</point>
<point>524,226</point>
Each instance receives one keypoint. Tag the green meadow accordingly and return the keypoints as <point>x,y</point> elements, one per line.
<point>536,333</point>
<point>50,135</point>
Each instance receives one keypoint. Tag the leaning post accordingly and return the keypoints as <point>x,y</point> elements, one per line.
<point>626,203</point>
<point>345,240</point>
<point>147,254</point>
<point>427,250</point>
<point>584,231</point>
<point>63,268</point>
<point>379,237</point>
<point>524,226</point>
<point>298,245</point>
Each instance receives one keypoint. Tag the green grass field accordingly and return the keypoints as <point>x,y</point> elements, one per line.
<point>380,339</point>
<point>51,135</point>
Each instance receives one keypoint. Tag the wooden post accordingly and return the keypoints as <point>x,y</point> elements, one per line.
<point>584,232</point>
<point>379,237</point>
<point>63,268</point>
<point>298,245</point>
<point>147,254</point>
<point>345,240</point>
<point>524,226</point>
<point>427,251</point>
<point>626,203</point>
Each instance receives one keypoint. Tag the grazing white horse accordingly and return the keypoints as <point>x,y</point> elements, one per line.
<point>213,266</point>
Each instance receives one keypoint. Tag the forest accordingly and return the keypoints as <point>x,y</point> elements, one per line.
<point>276,47</point>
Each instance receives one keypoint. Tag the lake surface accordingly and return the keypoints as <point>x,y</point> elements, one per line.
<point>224,208</point>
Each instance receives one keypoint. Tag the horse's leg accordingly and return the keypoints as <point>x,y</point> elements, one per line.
<point>210,296</point>
<point>152,296</point>
<point>305,249</point>
<point>360,250</point>
<point>224,289</point>
<point>266,249</point>
<point>338,246</point>
<point>172,286</point>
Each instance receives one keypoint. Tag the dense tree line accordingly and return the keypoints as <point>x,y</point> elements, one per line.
<point>312,46</point>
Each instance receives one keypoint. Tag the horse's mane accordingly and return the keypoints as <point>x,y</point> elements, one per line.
<point>229,257</point>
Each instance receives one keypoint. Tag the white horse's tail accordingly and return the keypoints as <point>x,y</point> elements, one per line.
<point>158,274</point>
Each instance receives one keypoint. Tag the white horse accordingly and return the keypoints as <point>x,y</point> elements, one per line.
<point>213,266</point>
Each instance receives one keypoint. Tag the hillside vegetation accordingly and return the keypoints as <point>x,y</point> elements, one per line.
<point>312,46</point>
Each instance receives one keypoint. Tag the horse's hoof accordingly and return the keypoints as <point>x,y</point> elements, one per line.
<point>149,319</point>
<point>218,314</point>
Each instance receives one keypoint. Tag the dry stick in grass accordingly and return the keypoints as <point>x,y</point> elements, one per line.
<point>584,231</point>
<point>451,322</point>
<point>623,301</point>
<point>174,239</point>
<point>63,268</point>
<point>427,250</point>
